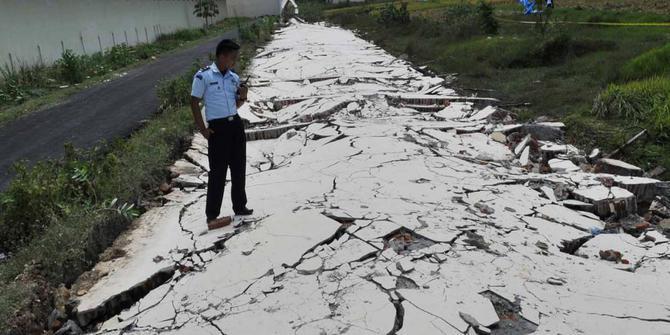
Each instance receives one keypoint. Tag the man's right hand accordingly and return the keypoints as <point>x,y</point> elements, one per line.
<point>206,133</point>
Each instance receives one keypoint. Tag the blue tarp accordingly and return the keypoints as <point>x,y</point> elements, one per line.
<point>528,7</point>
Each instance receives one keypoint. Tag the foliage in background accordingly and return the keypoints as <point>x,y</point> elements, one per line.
<point>258,31</point>
<point>393,15</point>
<point>175,93</point>
<point>206,9</point>
<point>487,22</point>
<point>71,67</point>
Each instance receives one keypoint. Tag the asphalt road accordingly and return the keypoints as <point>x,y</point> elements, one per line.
<point>101,113</point>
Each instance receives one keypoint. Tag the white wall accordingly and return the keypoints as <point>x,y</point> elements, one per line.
<point>30,26</point>
<point>254,8</point>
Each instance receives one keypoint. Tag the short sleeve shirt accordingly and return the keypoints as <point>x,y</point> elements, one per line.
<point>217,90</point>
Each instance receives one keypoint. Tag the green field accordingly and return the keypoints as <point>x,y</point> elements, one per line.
<point>554,65</point>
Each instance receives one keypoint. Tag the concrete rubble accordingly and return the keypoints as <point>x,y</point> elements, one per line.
<point>384,206</point>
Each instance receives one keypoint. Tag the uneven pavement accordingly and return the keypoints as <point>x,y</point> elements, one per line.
<point>382,212</point>
<point>101,113</point>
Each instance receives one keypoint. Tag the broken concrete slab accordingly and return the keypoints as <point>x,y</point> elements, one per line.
<point>578,205</point>
<point>522,145</point>
<point>617,167</point>
<point>395,186</point>
<point>545,131</point>
<point>629,249</point>
<point>562,166</point>
<point>454,111</point>
<point>608,201</point>
<point>524,158</point>
<point>645,189</point>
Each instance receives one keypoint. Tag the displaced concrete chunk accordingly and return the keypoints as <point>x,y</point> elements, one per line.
<point>549,131</point>
<point>562,166</point>
<point>614,166</point>
<point>645,189</point>
<point>607,201</point>
<point>522,145</point>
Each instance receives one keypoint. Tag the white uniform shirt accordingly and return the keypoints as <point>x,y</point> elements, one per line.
<point>217,90</point>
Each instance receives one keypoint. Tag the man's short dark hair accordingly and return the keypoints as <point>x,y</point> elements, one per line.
<point>226,46</point>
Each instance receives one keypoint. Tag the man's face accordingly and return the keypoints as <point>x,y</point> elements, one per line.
<point>228,59</point>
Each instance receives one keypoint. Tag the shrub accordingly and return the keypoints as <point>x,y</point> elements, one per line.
<point>71,67</point>
<point>12,296</point>
<point>38,196</point>
<point>175,92</point>
<point>95,64</point>
<point>145,51</point>
<point>120,55</point>
<point>249,33</point>
<point>487,22</point>
<point>461,21</point>
<point>11,90</point>
<point>259,30</point>
<point>392,15</point>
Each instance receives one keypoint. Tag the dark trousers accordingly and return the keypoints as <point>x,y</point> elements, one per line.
<point>227,148</point>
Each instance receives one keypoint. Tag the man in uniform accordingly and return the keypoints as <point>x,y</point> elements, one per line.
<point>221,92</point>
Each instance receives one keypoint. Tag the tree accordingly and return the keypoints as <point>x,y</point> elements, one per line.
<point>206,9</point>
<point>487,22</point>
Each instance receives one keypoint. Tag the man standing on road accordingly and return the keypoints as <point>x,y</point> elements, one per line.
<point>221,92</point>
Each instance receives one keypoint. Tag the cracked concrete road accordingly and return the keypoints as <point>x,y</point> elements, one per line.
<point>382,216</point>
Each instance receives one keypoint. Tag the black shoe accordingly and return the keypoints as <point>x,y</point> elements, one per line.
<point>244,211</point>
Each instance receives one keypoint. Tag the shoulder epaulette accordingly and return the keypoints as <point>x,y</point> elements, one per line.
<point>204,69</point>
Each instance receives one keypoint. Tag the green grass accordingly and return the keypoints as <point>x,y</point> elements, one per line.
<point>645,103</point>
<point>12,297</point>
<point>61,214</point>
<point>654,62</point>
<point>558,67</point>
<point>36,87</point>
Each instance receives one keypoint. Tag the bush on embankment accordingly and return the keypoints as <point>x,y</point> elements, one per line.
<point>644,103</point>
<point>655,62</point>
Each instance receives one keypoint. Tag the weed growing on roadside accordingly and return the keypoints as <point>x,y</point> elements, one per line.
<point>174,93</point>
<point>258,31</point>
<point>11,90</point>
<point>120,55</point>
<point>20,84</point>
<point>71,67</point>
